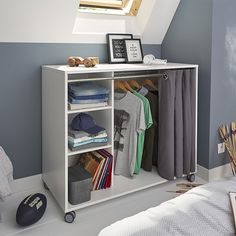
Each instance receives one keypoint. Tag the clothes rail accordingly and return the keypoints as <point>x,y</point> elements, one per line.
<point>163,75</point>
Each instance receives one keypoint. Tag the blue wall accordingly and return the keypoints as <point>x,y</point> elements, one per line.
<point>204,32</point>
<point>223,73</point>
<point>188,40</point>
<point>20,95</point>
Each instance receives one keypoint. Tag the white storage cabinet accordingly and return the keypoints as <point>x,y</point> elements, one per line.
<point>56,117</point>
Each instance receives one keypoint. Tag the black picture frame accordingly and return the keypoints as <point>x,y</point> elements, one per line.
<point>134,51</point>
<point>116,47</point>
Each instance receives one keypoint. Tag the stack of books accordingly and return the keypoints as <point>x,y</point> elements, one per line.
<point>86,95</point>
<point>99,165</point>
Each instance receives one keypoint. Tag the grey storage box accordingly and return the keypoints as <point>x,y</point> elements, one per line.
<point>80,185</point>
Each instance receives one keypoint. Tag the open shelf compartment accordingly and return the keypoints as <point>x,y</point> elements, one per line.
<point>108,84</point>
<point>121,187</point>
<point>102,118</point>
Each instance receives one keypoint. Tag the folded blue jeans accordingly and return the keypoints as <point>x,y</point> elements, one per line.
<point>87,89</point>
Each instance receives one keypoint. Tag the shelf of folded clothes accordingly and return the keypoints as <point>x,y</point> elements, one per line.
<point>85,134</point>
<point>88,95</point>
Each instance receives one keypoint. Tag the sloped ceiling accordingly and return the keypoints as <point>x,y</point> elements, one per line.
<point>59,21</point>
<point>158,20</point>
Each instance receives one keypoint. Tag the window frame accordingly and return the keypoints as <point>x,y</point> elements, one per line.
<point>128,7</point>
<point>104,4</point>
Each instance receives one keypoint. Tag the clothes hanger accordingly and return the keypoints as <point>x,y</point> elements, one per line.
<point>118,85</point>
<point>134,84</point>
<point>150,83</point>
<point>127,86</point>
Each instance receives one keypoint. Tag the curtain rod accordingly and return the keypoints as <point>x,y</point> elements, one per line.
<point>163,75</point>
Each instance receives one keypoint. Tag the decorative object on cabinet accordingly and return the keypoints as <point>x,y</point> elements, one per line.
<point>116,47</point>
<point>74,61</point>
<point>87,62</point>
<point>133,50</point>
<point>151,60</point>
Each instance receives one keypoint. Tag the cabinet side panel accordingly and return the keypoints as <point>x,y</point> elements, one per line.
<point>196,120</point>
<point>112,130</point>
<point>54,137</point>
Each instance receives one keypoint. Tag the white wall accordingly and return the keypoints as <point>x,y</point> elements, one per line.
<point>59,21</point>
<point>159,19</point>
<point>37,20</point>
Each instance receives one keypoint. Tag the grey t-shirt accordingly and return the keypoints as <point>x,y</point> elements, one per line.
<point>129,121</point>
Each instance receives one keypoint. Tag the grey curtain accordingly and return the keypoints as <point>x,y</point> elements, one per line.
<point>176,151</point>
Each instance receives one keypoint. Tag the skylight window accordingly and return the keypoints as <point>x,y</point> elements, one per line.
<point>120,7</point>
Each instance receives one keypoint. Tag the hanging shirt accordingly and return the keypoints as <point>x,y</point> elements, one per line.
<point>129,122</point>
<point>143,91</point>
<point>141,135</point>
<point>150,153</point>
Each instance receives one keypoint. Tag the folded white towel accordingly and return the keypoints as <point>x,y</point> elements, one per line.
<point>6,174</point>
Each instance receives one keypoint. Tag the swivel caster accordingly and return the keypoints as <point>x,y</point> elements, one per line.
<point>191,177</point>
<point>70,217</point>
<point>45,186</point>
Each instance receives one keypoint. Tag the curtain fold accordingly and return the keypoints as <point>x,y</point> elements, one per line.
<point>166,165</point>
<point>187,120</point>
<point>178,131</point>
<point>176,146</point>
<point>193,108</point>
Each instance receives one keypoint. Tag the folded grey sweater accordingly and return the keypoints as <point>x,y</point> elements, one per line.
<point>6,174</point>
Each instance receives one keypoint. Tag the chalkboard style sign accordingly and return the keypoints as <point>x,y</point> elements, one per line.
<point>116,47</point>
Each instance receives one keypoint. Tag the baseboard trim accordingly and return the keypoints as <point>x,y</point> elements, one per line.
<point>19,188</point>
<point>31,182</point>
<point>27,183</point>
<point>202,172</point>
<point>214,173</point>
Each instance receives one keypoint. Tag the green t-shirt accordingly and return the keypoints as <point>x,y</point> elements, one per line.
<point>141,135</point>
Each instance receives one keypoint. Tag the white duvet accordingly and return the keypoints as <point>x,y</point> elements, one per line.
<point>204,210</point>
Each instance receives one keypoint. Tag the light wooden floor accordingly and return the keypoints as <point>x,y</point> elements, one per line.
<point>89,221</point>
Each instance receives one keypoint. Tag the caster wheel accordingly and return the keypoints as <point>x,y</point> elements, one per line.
<point>45,186</point>
<point>191,177</point>
<point>70,217</point>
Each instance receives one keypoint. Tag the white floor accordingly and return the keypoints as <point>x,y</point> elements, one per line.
<point>90,220</point>
<point>123,186</point>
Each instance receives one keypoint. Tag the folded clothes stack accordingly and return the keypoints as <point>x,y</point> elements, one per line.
<point>87,94</point>
<point>84,133</point>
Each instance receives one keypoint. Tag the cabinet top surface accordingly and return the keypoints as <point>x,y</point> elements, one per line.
<point>118,67</point>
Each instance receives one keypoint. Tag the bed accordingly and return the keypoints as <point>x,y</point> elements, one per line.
<point>204,210</point>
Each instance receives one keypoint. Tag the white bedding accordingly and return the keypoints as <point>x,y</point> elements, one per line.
<point>204,210</point>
